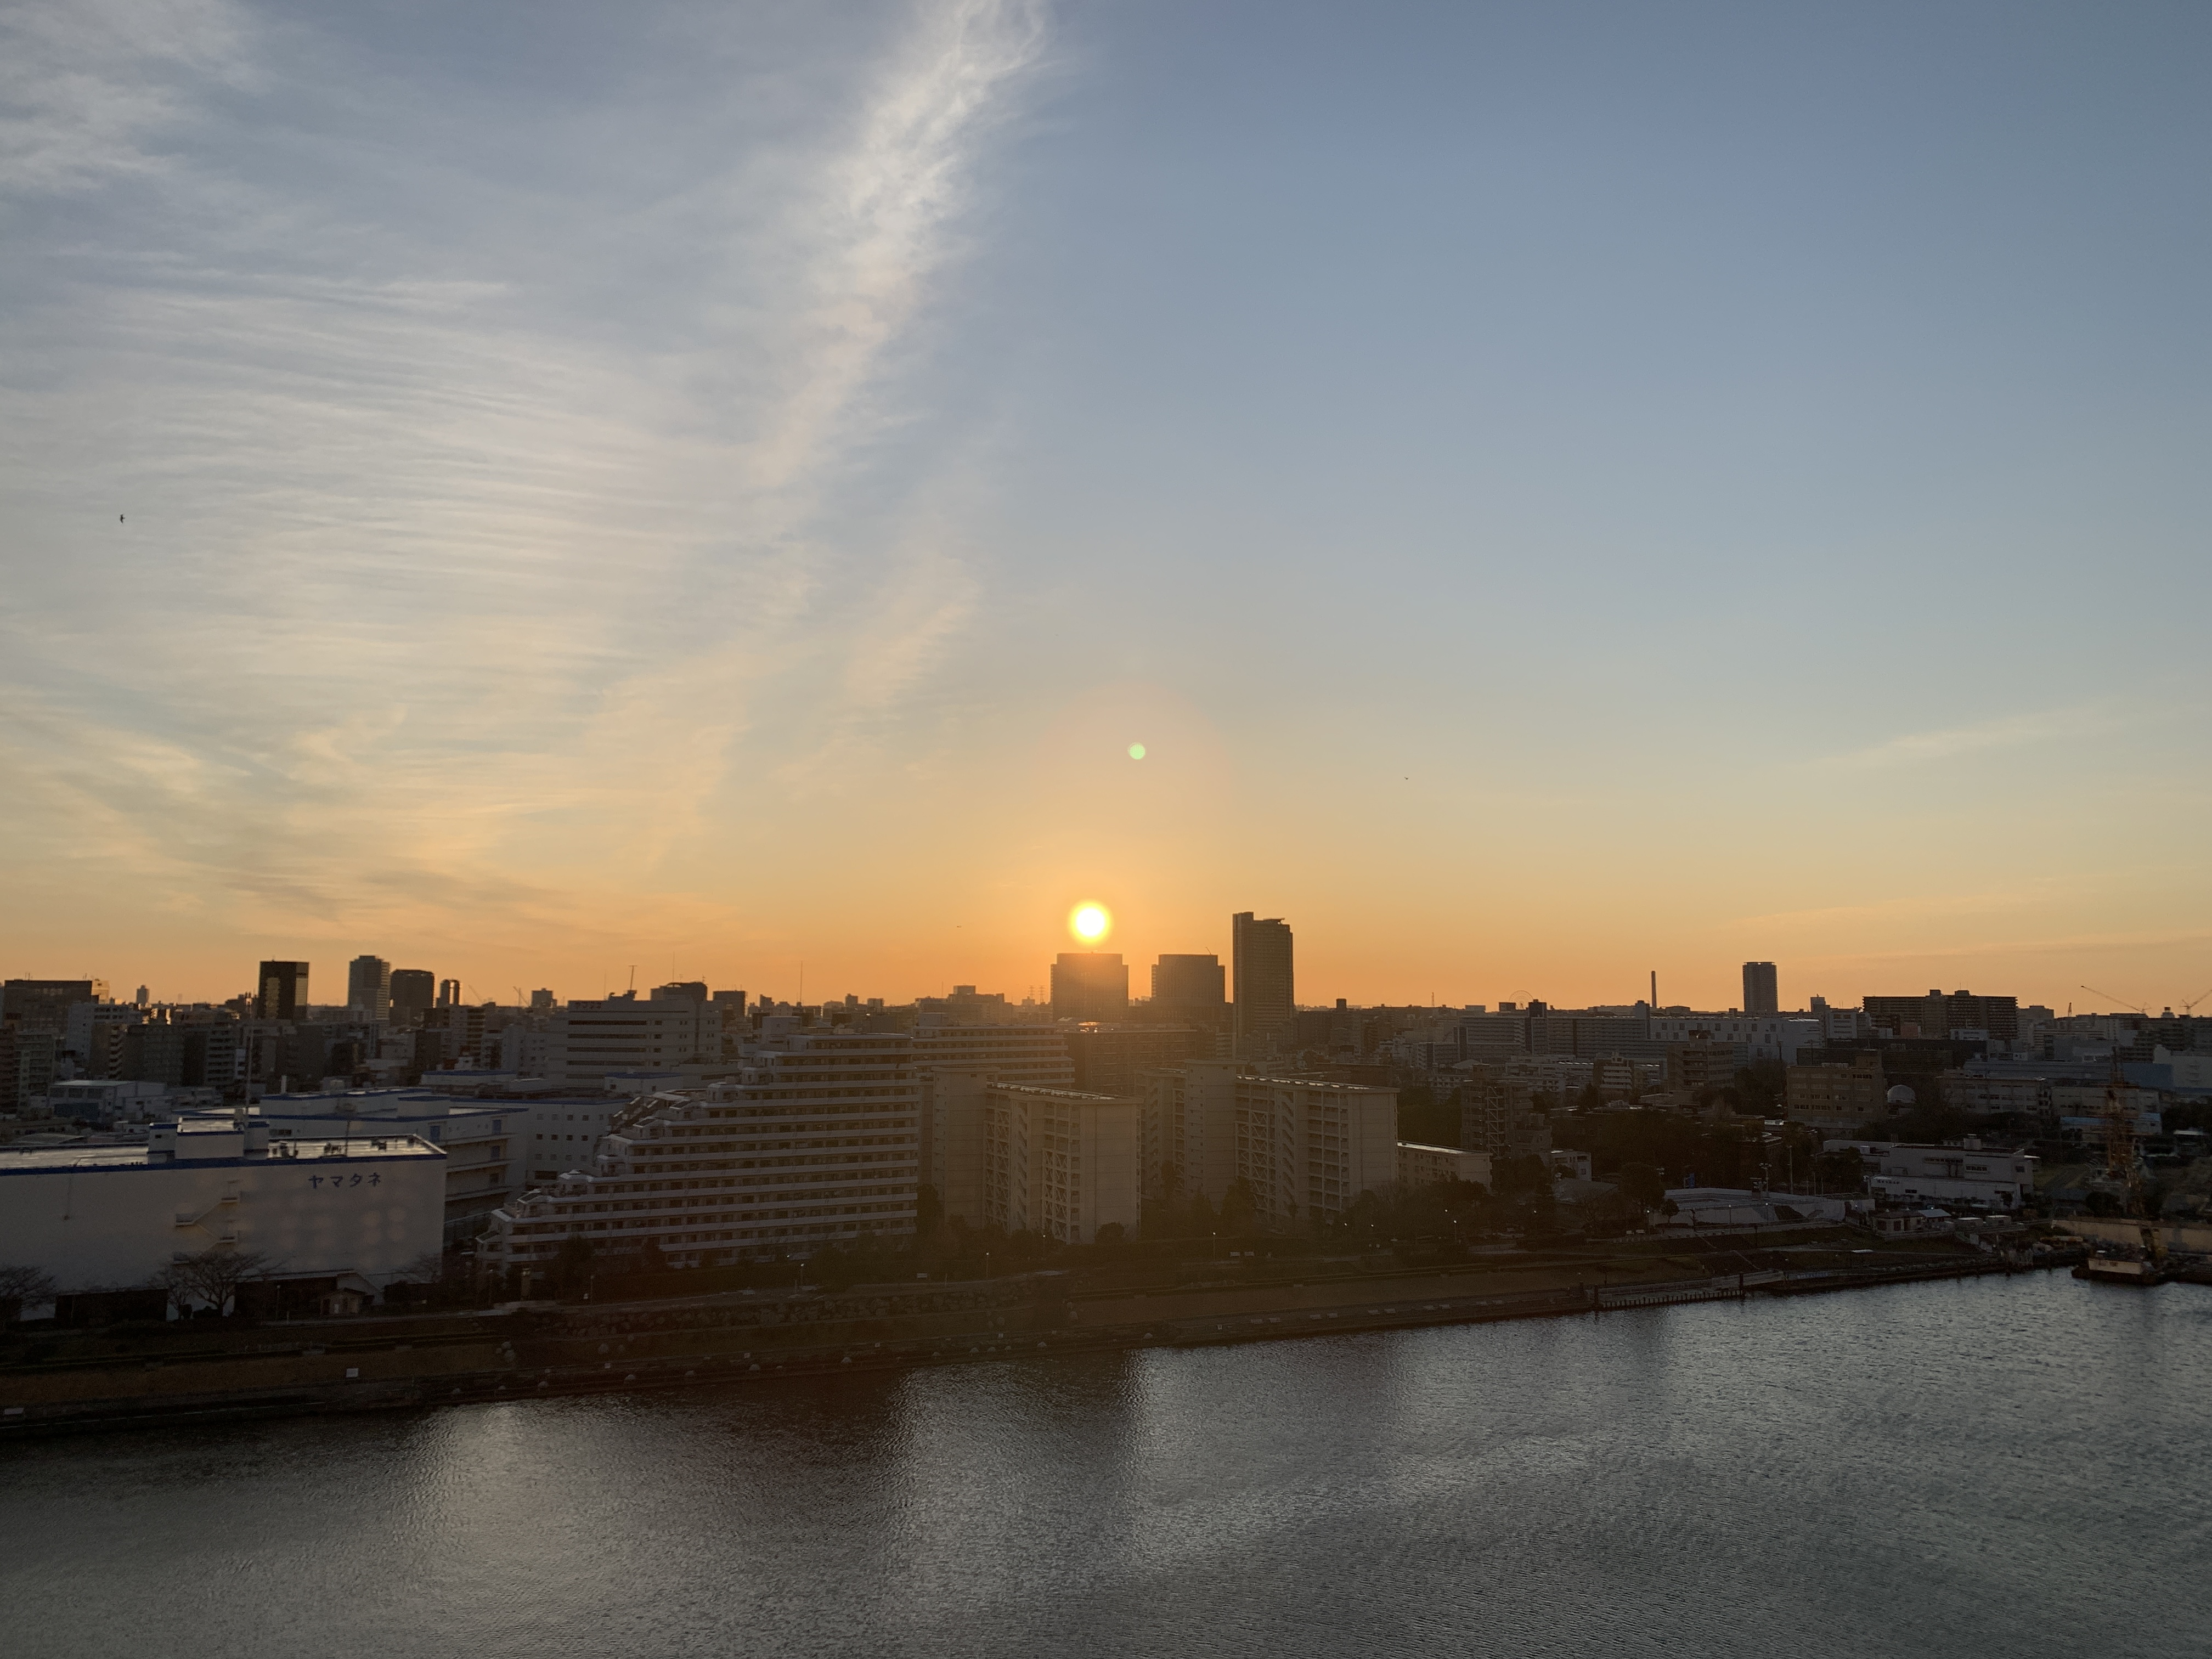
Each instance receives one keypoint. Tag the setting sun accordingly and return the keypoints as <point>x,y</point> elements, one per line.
<point>1090,922</point>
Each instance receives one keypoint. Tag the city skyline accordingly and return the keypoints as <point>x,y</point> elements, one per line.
<point>1535,503</point>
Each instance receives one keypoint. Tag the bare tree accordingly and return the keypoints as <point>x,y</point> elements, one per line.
<point>212,1277</point>
<point>22,1288</point>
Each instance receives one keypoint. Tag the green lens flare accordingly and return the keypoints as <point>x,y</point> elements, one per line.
<point>1136,752</point>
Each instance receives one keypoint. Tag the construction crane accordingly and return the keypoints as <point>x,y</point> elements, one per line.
<point>2122,1001</point>
<point>2190,1007</point>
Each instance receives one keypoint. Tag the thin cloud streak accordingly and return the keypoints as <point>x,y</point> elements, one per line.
<point>451,594</point>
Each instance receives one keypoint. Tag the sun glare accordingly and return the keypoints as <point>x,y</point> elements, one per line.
<point>1090,922</point>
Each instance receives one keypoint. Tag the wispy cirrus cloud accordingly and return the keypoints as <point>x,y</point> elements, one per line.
<point>472,517</point>
<point>2055,725</point>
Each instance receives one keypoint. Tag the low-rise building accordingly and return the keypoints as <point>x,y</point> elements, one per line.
<point>110,1217</point>
<point>1433,1166</point>
<point>1992,1177</point>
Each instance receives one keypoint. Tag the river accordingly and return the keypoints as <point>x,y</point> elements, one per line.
<point>1984,1467</point>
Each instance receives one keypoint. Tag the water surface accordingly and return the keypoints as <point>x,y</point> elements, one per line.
<point>1989,1467</point>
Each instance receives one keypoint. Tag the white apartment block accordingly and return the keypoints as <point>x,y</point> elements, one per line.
<point>319,1206</point>
<point>811,1144</point>
<point>1190,1126</point>
<point>1766,1036</point>
<point>1310,1148</point>
<point>1055,1162</point>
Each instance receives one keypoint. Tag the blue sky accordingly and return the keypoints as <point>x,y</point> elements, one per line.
<point>1561,491</point>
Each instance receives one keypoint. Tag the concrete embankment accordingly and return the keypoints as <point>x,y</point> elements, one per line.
<point>541,1351</point>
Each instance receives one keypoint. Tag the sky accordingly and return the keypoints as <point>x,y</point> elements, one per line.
<point>554,492</point>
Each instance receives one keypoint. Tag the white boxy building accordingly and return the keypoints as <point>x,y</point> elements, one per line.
<point>110,1217</point>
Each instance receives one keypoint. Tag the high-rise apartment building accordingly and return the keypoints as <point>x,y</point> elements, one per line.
<point>1090,985</point>
<point>1265,1015</point>
<point>368,987</point>
<point>281,991</point>
<point>1760,995</point>
<point>1061,1163</point>
<point>810,1145</point>
<point>414,994</point>
<point>449,994</point>
<point>1302,1147</point>
<point>1190,990</point>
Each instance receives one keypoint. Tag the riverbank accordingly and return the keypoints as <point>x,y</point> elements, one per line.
<point>182,1375</point>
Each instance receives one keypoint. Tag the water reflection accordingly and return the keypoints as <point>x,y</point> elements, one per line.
<point>1971,1468</point>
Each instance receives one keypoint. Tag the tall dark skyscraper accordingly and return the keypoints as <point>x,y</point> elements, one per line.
<point>1266,1013</point>
<point>1190,991</point>
<point>1091,985</point>
<point>281,991</point>
<point>368,987</point>
<point>1759,993</point>
<point>413,992</point>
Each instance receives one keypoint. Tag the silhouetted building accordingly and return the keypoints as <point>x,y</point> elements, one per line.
<point>27,1054</point>
<point>682,990</point>
<point>1109,1058</point>
<point>1190,990</point>
<point>1091,985</point>
<point>1760,993</point>
<point>1265,1015</point>
<point>1935,1016</point>
<point>281,993</point>
<point>44,1004</point>
<point>449,994</point>
<point>368,987</point>
<point>414,994</point>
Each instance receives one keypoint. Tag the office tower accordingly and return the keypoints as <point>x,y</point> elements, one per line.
<point>1266,1012</point>
<point>143,997</point>
<point>1190,990</point>
<point>283,991</point>
<point>414,991</point>
<point>541,1001</point>
<point>368,987</point>
<point>1090,985</point>
<point>1759,993</point>
<point>449,994</point>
